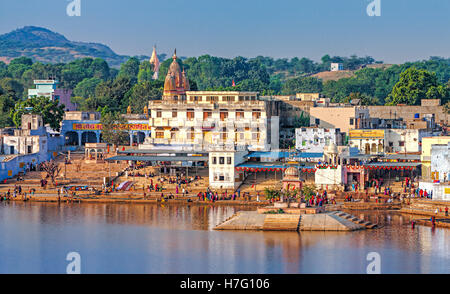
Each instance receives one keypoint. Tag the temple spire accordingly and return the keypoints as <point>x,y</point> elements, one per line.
<point>174,54</point>
<point>155,62</point>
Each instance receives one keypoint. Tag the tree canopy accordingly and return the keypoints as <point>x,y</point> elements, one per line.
<point>414,85</point>
<point>96,86</point>
<point>51,112</point>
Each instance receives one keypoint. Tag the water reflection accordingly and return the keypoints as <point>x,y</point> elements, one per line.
<point>151,238</point>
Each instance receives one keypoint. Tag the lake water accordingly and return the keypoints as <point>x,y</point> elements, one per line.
<point>151,238</point>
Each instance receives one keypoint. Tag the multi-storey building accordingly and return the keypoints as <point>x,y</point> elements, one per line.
<point>48,88</point>
<point>344,118</point>
<point>210,120</point>
<point>315,139</point>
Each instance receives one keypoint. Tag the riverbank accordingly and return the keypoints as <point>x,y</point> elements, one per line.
<point>136,200</point>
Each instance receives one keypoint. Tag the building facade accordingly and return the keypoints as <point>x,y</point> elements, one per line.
<point>440,162</point>
<point>427,144</point>
<point>48,88</point>
<point>343,118</point>
<point>80,127</point>
<point>315,139</point>
<point>210,120</point>
<point>222,172</point>
<point>336,66</point>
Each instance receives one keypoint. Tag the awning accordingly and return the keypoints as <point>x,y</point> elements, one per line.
<point>258,167</point>
<point>158,158</point>
<point>386,166</point>
<point>283,154</point>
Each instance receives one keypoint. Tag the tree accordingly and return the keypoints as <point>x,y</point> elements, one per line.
<point>447,107</point>
<point>301,121</point>
<point>110,131</point>
<point>414,85</point>
<point>143,92</point>
<point>308,191</point>
<point>130,69</point>
<point>271,193</point>
<point>86,88</point>
<point>51,112</point>
<point>361,99</point>
<point>6,104</point>
<point>145,72</point>
<point>302,85</point>
<point>52,170</point>
<point>11,87</point>
<point>113,93</point>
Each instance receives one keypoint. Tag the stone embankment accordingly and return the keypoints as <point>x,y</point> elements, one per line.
<point>426,207</point>
<point>328,221</point>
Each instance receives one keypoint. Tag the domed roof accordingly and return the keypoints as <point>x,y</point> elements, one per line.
<point>186,85</point>
<point>333,148</point>
<point>176,82</point>
<point>291,172</point>
<point>169,83</point>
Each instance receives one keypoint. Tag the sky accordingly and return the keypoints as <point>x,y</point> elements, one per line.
<point>405,30</point>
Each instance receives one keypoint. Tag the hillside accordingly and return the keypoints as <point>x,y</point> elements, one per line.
<point>46,46</point>
<point>337,75</point>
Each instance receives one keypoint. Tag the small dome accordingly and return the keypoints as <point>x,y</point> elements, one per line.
<point>186,85</point>
<point>333,148</point>
<point>291,172</point>
<point>169,83</point>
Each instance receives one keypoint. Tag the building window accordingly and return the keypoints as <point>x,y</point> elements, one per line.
<point>159,134</point>
<point>207,114</point>
<point>401,143</point>
<point>228,160</point>
<point>317,121</point>
<point>214,160</point>
<point>239,114</point>
<point>224,134</point>
<point>158,113</point>
<point>256,114</point>
<point>190,114</point>
<point>351,121</point>
<point>191,134</point>
<point>174,113</point>
<point>223,115</point>
<point>221,160</point>
<point>391,144</point>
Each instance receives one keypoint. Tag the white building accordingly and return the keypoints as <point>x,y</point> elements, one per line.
<point>222,173</point>
<point>210,120</point>
<point>336,66</point>
<point>379,141</point>
<point>30,139</point>
<point>315,139</point>
<point>440,162</point>
<point>404,140</point>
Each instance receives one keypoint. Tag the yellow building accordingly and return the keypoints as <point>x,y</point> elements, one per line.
<point>427,144</point>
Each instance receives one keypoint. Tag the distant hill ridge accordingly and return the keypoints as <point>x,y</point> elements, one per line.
<point>46,46</point>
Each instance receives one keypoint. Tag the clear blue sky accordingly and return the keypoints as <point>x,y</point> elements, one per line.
<point>407,30</point>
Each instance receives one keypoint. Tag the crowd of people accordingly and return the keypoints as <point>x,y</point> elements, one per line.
<point>18,191</point>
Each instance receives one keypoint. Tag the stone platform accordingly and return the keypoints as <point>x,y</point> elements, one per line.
<point>329,221</point>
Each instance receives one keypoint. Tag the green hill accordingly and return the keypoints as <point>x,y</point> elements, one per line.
<point>43,45</point>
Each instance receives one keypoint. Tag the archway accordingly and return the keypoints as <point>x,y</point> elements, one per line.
<point>380,148</point>
<point>71,138</point>
<point>374,148</point>
<point>139,136</point>
<point>88,137</point>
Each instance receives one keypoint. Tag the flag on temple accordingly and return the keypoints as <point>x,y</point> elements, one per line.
<point>233,84</point>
